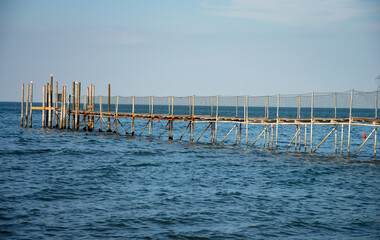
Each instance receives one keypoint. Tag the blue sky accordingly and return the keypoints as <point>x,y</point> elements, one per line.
<point>202,47</point>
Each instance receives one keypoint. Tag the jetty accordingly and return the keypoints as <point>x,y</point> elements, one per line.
<point>337,111</point>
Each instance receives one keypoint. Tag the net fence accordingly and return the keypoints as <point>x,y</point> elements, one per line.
<point>301,106</point>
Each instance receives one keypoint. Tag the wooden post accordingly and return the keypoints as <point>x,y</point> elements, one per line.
<point>376,102</point>
<point>193,105</point>
<point>374,151</point>
<point>31,104</point>
<point>22,106</point>
<point>43,105</point>
<point>236,129</point>
<point>101,115</point>
<point>56,105</point>
<point>68,112</point>
<point>311,122</point>
<point>277,118</point>
<point>239,133</point>
<point>87,104</point>
<point>74,103</point>
<point>133,114</point>
<point>79,91</point>
<point>335,104</point>
<point>171,130</point>
<point>349,124</point>
<point>116,114</point>
<point>109,107</point>
<point>336,140</point>
<point>212,106</point>
<point>93,107</point>
<point>216,120</point>
<point>305,137</point>
<point>172,105</point>
<point>50,104</point>
<point>51,101</point>
<point>62,106</point>
<point>341,142</point>
<point>271,145</point>
<point>246,126</point>
<point>169,105</point>
<point>27,107</point>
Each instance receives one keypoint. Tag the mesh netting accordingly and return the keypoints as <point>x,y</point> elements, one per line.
<point>319,105</point>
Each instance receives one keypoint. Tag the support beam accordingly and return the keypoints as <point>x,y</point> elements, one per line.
<point>229,132</point>
<point>365,141</point>
<point>43,105</point>
<point>210,124</point>
<point>265,128</point>
<point>171,127</point>
<point>163,129</point>
<point>324,139</point>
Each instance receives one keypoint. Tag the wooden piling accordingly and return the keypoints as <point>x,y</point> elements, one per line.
<point>86,106</point>
<point>50,104</point>
<point>101,115</point>
<point>133,114</point>
<point>216,119</point>
<point>246,124</point>
<point>116,114</point>
<point>74,105</point>
<point>43,105</point>
<point>56,105</point>
<point>375,144</point>
<point>93,107</point>
<point>349,125</point>
<point>27,107</point>
<point>62,105</point>
<point>311,122</point>
<point>64,108</point>
<point>109,107</point>
<point>22,106</point>
<point>31,105</point>
<point>341,142</point>
<point>277,117</point>
<point>171,130</point>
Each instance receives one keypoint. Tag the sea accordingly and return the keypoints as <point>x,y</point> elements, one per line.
<point>65,184</point>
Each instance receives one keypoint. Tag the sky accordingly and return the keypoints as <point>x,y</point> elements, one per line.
<point>186,47</point>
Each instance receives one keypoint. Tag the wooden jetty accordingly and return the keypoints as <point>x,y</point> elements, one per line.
<point>66,111</point>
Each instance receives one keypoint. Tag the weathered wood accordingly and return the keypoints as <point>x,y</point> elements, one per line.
<point>364,141</point>
<point>184,130</point>
<point>324,139</point>
<point>56,105</point>
<point>259,136</point>
<point>375,144</point>
<point>311,123</point>
<point>27,106</point>
<point>74,105</point>
<point>116,116</point>
<point>109,107</point>
<point>43,105</point>
<point>62,105</point>
<point>229,133</point>
<point>277,118</point>
<point>50,104</point>
<point>292,139</point>
<point>101,116</point>
<point>341,142</point>
<point>22,106</point>
<point>204,131</point>
<point>163,129</point>
<point>171,127</point>
<point>349,125</point>
<point>145,126</point>
<point>87,103</point>
<point>31,105</point>
<point>64,108</point>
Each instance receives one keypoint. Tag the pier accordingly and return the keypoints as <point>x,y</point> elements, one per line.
<point>337,111</point>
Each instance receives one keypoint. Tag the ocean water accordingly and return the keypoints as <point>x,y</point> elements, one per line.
<point>61,184</point>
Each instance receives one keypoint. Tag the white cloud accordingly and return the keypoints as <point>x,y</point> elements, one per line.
<point>292,12</point>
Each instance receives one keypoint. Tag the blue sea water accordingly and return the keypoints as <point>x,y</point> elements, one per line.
<point>61,184</point>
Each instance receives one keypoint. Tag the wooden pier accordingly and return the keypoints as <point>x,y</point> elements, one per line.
<point>335,110</point>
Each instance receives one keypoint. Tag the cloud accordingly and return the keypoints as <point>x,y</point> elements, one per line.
<point>293,12</point>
